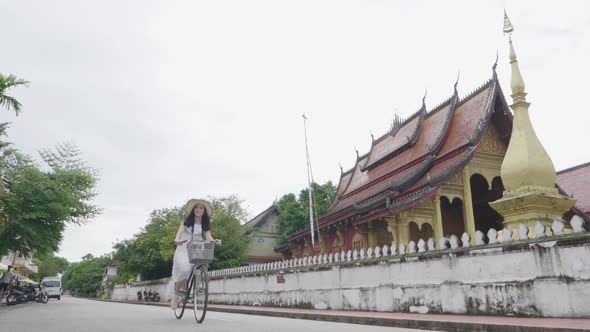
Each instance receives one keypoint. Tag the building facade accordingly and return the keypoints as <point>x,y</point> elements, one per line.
<point>22,266</point>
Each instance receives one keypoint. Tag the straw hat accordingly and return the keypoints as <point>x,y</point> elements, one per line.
<point>190,205</point>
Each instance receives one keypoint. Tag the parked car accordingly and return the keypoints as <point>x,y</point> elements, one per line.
<point>52,286</point>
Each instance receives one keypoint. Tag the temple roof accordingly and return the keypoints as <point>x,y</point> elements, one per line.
<point>406,165</point>
<point>575,181</point>
<point>251,225</point>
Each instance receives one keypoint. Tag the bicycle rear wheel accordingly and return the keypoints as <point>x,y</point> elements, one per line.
<point>182,297</point>
<point>200,293</point>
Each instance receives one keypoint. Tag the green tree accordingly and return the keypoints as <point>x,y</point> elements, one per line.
<point>85,277</point>
<point>228,216</point>
<point>37,203</point>
<point>149,253</point>
<point>49,266</point>
<point>294,215</point>
<point>7,83</point>
<point>10,103</point>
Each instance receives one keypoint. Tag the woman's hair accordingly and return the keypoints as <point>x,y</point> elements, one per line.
<point>205,220</point>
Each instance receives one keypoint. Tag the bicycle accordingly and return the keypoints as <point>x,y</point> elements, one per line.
<point>200,253</point>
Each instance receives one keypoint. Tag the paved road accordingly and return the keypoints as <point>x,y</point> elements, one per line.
<point>73,314</point>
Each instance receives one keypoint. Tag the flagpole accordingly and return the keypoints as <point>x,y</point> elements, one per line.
<point>310,181</point>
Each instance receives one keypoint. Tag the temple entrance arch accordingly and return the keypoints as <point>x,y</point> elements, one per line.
<point>452,216</point>
<point>423,232</point>
<point>482,194</point>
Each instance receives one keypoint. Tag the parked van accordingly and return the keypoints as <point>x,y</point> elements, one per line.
<point>52,286</point>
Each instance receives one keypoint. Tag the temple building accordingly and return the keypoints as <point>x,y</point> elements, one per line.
<point>434,175</point>
<point>262,236</point>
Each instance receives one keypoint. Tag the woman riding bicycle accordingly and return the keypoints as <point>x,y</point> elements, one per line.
<point>196,224</point>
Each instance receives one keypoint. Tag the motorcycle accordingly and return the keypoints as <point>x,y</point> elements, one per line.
<point>155,296</point>
<point>26,294</point>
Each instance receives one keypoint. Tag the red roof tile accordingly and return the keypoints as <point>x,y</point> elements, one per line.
<point>576,181</point>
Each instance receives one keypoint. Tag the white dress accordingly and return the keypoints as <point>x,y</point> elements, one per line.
<point>181,268</point>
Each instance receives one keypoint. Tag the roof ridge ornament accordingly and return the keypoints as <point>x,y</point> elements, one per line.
<point>396,123</point>
<point>455,93</point>
<point>494,73</point>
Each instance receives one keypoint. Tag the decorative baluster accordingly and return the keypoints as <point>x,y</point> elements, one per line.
<point>337,257</point>
<point>385,250</point>
<point>479,235</point>
<point>393,249</point>
<point>411,247</point>
<point>349,255</point>
<point>362,254</point>
<point>326,259</point>
<point>557,227</point>
<point>454,241</point>
<point>331,258</point>
<point>421,246</point>
<point>577,224</point>
<point>402,249</point>
<point>523,232</point>
<point>442,243</point>
<point>492,236</point>
<point>377,252</point>
<point>369,253</point>
<point>540,230</point>
<point>314,260</point>
<point>507,235</point>
<point>465,239</point>
<point>355,254</point>
<point>431,244</point>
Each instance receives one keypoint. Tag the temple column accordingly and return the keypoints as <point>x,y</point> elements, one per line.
<point>323,239</point>
<point>392,227</point>
<point>438,224</point>
<point>371,236</point>
<point>403,232</point>
<point>341,231</point>
<point>468,205</point>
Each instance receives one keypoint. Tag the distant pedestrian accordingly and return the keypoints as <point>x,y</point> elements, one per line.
<point>196,225</point>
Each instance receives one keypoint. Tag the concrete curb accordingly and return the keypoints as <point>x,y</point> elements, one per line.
<point>426,322</point>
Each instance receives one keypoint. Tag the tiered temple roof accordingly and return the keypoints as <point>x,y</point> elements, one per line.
<point>407,165</point>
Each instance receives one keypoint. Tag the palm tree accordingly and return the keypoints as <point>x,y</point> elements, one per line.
<point>6,83</point>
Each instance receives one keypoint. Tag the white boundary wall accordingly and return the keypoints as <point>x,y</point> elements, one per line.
<point>545,276</point>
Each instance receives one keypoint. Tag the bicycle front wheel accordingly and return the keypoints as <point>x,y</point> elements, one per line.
<point>200,293</point>
<point>182,297</point>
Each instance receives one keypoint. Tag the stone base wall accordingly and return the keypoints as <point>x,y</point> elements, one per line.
<point>537,278</point>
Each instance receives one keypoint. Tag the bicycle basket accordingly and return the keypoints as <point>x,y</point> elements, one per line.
<point>200,252</point>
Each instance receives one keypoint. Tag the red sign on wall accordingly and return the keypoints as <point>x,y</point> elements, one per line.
<point>280,279</point>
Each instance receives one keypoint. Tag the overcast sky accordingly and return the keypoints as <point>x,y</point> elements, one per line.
<point>178,99</point>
